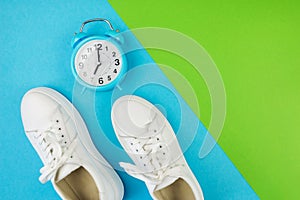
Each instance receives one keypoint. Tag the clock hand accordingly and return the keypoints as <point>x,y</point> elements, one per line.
<point>97,68</point>
<point>98,55</point>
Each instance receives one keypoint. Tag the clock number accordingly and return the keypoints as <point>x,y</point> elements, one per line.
<point>98,46</point>
<point>109,78</point>
<point>81,65</point>
<point>115,71</point>
<point>114,54</point>
<point>89,49</point>
<point>117,62</point>
<point>100,81</point>
<point>106,48</point>
<point>84,57</point>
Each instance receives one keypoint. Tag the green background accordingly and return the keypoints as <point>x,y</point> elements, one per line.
<point>255,45</point>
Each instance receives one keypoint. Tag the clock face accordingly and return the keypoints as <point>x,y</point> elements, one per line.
<point>98,62</point>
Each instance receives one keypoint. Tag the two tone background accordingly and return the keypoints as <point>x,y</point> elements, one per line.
<point>255,45</point>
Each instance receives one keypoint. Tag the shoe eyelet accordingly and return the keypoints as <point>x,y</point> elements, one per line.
<point>71,156</point>
<point>155,131</point>
<point>62,136</point>
<point>160,146</point>
<point>65,142</point>
<point>141,157</point>
<point>157,139</point>
<point>59,129</point>
<point>137,150</point>
<point>131,143</point>
<point>57,121</point>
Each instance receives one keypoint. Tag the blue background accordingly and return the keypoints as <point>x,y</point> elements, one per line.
<point>35,51</point>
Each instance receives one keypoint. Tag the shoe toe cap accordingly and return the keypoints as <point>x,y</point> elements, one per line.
<point>37,109</point>
<point>136,116</point>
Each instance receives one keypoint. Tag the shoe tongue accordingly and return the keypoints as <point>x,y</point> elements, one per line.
<point>65,170</point>
<point>165,183</point>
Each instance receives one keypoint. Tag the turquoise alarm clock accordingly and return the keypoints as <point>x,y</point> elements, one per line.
<point>98,60</point>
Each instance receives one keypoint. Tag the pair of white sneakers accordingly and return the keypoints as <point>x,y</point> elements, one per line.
<point>78,171</point>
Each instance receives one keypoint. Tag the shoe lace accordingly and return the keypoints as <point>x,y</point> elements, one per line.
<point>55,153</point>
<point>159,171</point>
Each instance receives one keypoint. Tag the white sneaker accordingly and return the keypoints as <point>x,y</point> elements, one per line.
<point>149,140</point>
<point>61,139</point>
